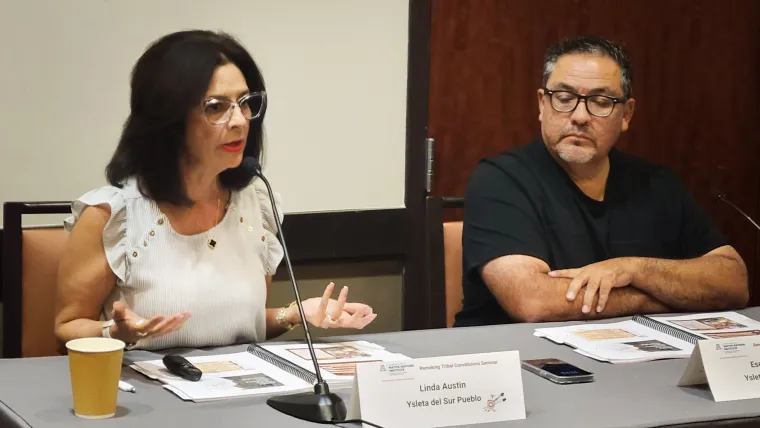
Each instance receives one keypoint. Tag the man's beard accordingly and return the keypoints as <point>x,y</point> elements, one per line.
<point>571,153</point>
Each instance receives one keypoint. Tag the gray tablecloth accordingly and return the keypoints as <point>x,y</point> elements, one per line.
<point>35,392</point>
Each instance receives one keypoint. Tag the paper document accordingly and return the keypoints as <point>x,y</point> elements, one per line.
<point>645,338</point>
<point>225,376</point>
<point>621,342</point>
<point>719,325</point>
<point>337,361</point>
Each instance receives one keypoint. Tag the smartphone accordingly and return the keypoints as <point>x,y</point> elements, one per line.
<point>558,371</point>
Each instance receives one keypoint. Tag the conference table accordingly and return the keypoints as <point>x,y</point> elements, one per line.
<point>36,392</point>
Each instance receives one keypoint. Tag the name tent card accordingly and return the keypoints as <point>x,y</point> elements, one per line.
<point>440,391</point>
<point>731,367</point>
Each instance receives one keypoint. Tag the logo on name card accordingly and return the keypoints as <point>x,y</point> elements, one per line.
<point>717,346</point>
<point>396,369</point>
<point>493,402</point>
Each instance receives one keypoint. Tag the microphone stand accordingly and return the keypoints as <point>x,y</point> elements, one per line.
<point>722,197</point>
<point>320,405</point>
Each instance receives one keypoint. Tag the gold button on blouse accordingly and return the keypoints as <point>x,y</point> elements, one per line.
<point>152,233</point>
<point>263,238</point>
<point>160,221</point>
<point>134,254</point>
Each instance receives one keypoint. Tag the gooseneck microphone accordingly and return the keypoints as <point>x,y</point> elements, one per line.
<point>321,405</point>
<point>722,197</point>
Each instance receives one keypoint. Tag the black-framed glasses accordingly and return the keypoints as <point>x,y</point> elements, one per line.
<point>218,110</point>
<point>596,105</point>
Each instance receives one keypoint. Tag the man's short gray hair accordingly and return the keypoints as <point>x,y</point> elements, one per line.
<point>593,46</point>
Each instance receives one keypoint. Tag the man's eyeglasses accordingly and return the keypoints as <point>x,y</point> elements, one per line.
<point>596,105</point>
<point>218,110</point>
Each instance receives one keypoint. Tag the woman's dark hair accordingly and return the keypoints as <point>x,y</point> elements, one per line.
<point>169,80</point>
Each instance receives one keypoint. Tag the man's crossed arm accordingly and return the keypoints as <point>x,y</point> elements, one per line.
<point>528,291</point>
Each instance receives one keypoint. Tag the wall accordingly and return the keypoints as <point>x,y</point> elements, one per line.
<point>480,49</point>
<point>335,73</point>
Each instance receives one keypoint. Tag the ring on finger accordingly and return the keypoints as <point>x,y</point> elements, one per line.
<point>141,334</point>
<point>331,319</point>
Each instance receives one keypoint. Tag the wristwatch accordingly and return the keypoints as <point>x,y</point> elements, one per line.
<point>281,317</point>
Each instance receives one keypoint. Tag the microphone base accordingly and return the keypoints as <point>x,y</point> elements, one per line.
<point>318,406</point>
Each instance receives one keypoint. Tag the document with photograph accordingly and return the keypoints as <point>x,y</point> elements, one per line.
<point>337,360</point>
<point>621,342</point>
<point>645,338</point>
<point>719,325</point>
<point>225,376</point>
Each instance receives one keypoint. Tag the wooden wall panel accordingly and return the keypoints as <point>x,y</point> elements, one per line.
<point>696,67</point>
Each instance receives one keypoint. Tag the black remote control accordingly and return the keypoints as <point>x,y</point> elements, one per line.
<point>182,368</point>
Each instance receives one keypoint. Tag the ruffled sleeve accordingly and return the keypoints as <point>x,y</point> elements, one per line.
<point>115,231</point>
<point>273,254</point>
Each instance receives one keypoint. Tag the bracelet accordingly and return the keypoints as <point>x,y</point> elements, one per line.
<point>281,317</point>
<point>105,331</point>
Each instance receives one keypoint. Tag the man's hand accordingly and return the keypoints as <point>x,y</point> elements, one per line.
<point>602,277</point>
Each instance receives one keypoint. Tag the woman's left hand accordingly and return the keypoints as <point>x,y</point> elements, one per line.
<point>325,312</point>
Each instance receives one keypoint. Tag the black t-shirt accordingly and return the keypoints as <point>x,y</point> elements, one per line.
<point>523,202</point>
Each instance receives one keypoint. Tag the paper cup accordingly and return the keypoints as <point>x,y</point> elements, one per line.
<point>95,366</point>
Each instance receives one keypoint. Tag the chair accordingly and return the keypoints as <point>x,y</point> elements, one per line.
<point>29,269</point>
<point>444,259</point>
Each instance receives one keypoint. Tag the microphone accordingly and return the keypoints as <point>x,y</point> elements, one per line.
<point>721,196</point>
<point>320,405</point>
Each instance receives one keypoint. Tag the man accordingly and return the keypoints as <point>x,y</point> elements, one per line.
<point>569,228</point>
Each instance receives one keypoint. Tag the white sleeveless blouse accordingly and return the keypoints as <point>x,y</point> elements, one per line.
<point>160,272</point>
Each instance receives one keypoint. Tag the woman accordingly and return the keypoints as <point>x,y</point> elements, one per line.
<point>179,250</point>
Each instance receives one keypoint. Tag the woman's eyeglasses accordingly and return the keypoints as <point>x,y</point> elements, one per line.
<point>218,110</point>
